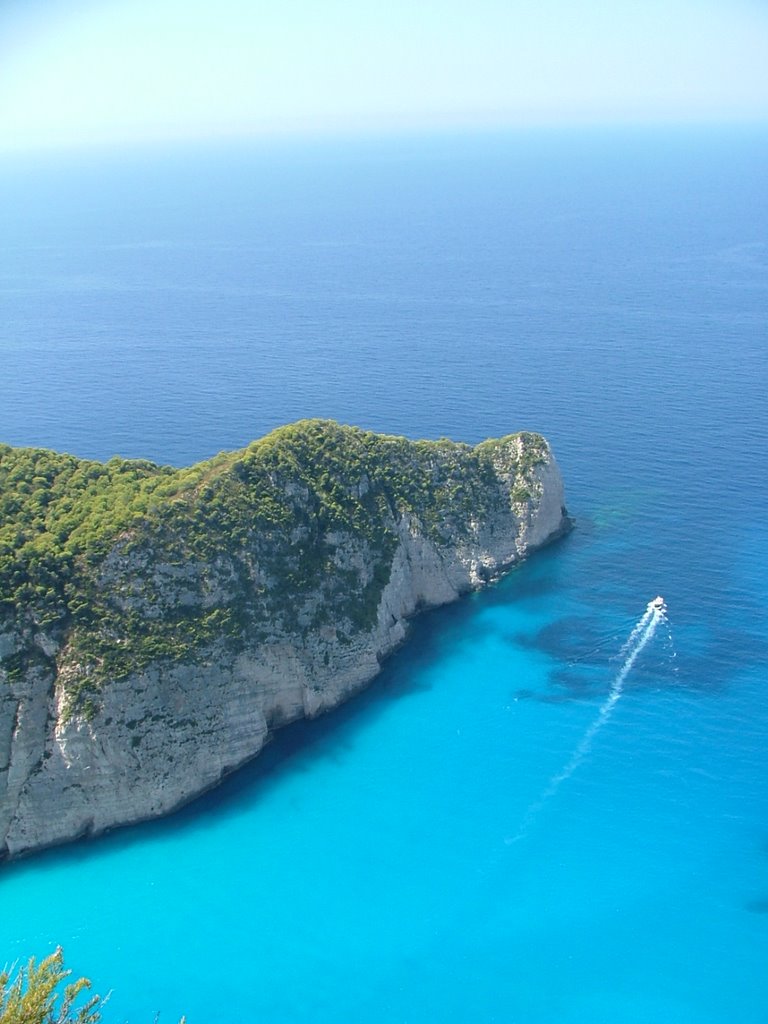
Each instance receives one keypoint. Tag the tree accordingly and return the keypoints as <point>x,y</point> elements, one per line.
<point>35,995</point>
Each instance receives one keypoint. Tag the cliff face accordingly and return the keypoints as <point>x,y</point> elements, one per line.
<point>165,642</point>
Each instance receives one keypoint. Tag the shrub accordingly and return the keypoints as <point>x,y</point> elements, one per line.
<point>38,995</point>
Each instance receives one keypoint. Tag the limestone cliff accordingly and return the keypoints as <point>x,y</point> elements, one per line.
<point>157,624</point>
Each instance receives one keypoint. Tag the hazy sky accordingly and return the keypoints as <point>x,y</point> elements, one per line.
<point>85,71</point>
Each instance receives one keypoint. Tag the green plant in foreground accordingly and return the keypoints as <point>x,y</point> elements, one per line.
<point>36,995</point>
<point>32,997</point>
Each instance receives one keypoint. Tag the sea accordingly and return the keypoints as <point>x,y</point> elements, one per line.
<point>551,807</point>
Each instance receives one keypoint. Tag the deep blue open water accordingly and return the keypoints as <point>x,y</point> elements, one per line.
<point>395,862</point>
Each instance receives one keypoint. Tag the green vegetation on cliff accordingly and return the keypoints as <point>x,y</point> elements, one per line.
<point>131,561</point>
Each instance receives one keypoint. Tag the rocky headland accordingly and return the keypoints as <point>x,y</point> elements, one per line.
<point>157,624</point>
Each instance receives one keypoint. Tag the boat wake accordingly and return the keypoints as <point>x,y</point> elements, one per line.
<point>638,639</point>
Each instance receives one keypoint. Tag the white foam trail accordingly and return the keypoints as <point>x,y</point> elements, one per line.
<point>640,636</point>
<point>633,637</point>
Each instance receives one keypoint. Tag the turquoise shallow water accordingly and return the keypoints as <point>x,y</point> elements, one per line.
<point>609,291</point>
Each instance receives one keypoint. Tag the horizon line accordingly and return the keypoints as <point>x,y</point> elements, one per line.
<point>435,129</point>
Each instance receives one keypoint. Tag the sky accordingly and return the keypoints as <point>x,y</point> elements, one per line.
<point>85,72</point>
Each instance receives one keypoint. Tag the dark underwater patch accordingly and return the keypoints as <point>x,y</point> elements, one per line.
<point>569,639</point>
<point>544,698</point>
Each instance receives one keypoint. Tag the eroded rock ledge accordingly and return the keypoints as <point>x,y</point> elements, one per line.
<point>157,624</point>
